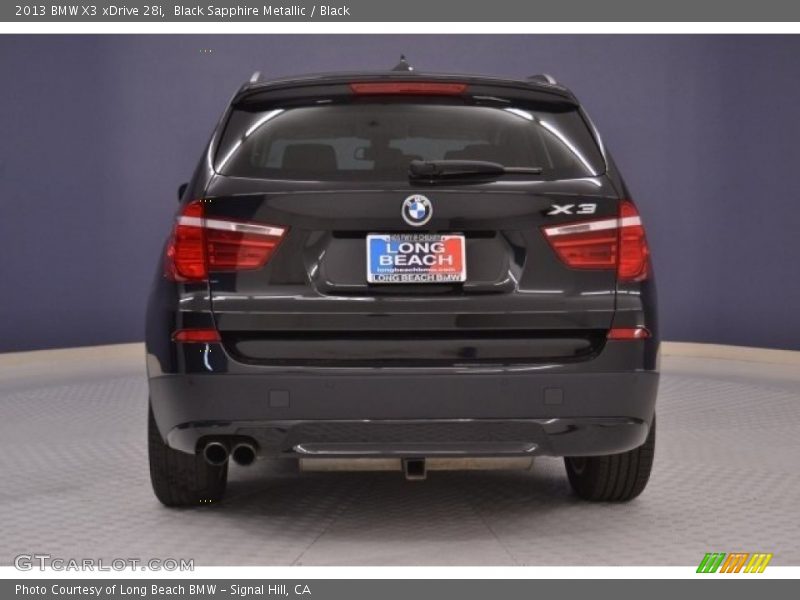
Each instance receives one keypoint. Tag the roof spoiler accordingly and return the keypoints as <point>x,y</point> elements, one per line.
<point>282,89</point>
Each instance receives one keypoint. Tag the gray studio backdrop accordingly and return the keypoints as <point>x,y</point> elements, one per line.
<point>96,133</point>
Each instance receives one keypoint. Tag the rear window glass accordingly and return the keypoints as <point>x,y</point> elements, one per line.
<point>377,140</point>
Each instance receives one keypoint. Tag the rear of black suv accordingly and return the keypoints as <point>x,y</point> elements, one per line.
<point>408,266</point>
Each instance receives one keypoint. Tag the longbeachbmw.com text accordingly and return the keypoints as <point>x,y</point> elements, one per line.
<point>197,11</point>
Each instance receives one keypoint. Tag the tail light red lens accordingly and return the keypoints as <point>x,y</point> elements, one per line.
<point>199,245</point>
<point>633,249</point>
<point>604,244</point>
<point>235,246</point>
<point>590,245</point>
<point>186,257</point>
<point>197,336</point>
<point>419,88</point>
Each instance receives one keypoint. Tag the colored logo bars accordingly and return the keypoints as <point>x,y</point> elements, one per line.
<point>737,562</point>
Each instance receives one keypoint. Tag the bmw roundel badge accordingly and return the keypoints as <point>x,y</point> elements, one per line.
<point>417,210</point>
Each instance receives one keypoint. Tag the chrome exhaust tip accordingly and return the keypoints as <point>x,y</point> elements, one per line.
<point>243,454</point>
<point>215,453</point>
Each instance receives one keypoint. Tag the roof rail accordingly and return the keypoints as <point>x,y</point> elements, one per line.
<point>254,78</point>
<point>543,78</point>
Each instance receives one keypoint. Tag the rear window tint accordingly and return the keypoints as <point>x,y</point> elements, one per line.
<point>377,140</point>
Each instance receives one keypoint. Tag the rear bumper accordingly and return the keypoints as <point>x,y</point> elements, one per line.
<point>580,408</point>
<point>422,438</point>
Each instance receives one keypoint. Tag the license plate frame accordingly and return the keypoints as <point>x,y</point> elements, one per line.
<point>438,268</point>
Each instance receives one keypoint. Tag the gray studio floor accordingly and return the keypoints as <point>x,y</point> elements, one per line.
<point>75,484</point>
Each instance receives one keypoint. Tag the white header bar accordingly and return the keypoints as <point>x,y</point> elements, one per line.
<point>402,27</point>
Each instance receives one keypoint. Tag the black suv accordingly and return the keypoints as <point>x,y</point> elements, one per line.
<point>409,266</point>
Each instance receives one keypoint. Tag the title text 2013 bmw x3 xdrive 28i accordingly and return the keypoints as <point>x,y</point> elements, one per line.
<point>403,265</point>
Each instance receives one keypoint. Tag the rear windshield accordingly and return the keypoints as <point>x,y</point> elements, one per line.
<point>377,140</point>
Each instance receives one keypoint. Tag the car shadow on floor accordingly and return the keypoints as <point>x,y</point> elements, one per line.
<point>272,487</point>
<point>360,518</point>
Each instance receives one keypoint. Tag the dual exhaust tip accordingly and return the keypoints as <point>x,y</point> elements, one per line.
<point>217,453</point>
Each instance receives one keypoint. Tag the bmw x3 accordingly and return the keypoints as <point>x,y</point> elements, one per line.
<point>403,266</point>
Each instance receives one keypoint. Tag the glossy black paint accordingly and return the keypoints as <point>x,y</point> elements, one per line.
<point>306,340</point>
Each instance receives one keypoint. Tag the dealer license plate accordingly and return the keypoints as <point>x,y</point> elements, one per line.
<point>416,258</point>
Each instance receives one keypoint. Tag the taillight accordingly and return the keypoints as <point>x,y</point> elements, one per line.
<point>586,245</point>
<point>420,88</point>
<point>633,250</point>
<point>236,246</point>
<point>199,245</point>
<point>604,244</point>
<point>186,257</point>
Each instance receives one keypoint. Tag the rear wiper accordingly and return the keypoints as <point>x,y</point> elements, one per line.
<point>445,169</point>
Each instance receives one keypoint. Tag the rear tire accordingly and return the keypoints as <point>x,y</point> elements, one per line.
<point>181,479</point>
<point>615,477</point>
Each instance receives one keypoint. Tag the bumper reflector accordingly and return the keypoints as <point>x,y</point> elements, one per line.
<point>628,333</point>
<point>201,336</point>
